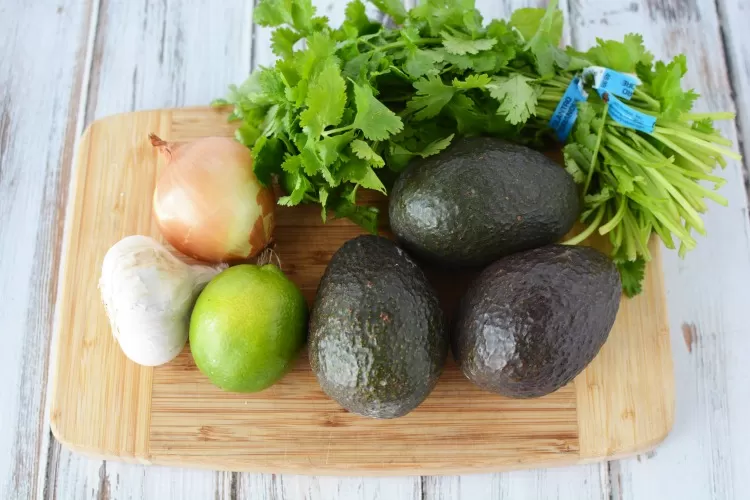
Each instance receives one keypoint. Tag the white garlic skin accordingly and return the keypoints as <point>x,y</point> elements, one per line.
<point>149,294</point>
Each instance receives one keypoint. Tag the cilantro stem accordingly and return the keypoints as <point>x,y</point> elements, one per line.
<point>589,230</point>
<point>679,180</point>
<point>614,221</point>
<point>700,142</point>
<point>641,247</point>
<point>689,212</point>
<point>719,115</point>
<point>550,97</point>
<point>715,138</point>
<point>595,153</point>
<point>555,83</point>
<point>645,97</point>
<point>338,130</point>
<point>689,156</point>
<point>718,181</point>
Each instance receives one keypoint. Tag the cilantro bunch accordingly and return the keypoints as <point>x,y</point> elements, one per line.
<point>349,107</point>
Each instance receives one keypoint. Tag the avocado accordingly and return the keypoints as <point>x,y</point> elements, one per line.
<point>378,339</point>
<point>479,200</point>
<point>532,321</point>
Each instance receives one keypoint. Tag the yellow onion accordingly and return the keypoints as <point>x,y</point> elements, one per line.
<point>208,203</point>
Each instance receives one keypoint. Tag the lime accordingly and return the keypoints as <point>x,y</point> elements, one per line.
<point>247,327</point>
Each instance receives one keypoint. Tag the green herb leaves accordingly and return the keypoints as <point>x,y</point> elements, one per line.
<point>326,98</point>
<point>351,107</point>
<point>374,119</point>
<point>517,96</point>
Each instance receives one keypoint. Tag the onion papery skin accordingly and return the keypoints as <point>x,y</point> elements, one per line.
<point>209,204</point>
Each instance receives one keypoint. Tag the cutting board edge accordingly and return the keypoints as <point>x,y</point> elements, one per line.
<point>458,469</point>
<point>61,425</point>
<point>63,433</point>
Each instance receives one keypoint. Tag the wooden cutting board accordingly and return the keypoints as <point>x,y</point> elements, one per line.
<point>102,404</point>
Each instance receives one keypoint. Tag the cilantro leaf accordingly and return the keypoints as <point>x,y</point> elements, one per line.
<point>320,48</point>
<point>479,81</point>
<point>297,13</point>
<point>272,85</point>
<point>469,119</point>
<point>485,62</point>
<point>356,17</point>
<point>247,134</point>
<point>621,56</point>
<point>330,147</point>
<point>576,160</point>
<point>600,197</point>
<point>323,199</point>
<point>283,40</point>
<point>422,62</point>
<point>374,119</point>
<point>461,45</point>
<point>313,164</point>
<point>365,152</point>
<point>432,95</point>
<point>360,172</point>
<point>437,146</point>
<point>517,97</point>
<point>529,20</point>
<point>303,12</point>
<point>353,170</point>
<point>543,44</point>
<point>366,217</point>
<point>371,181</point>
<point>267,158</point>
<point>394,8</point>
<point>292,164</point>
<point>273,12</point>
<point>300,186</point>
<point>631,276</point>
<point>666,87</point>
<point>398,157</point>
<point>326,98</point>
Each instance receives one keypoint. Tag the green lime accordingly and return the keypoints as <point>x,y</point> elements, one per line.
<point>247,327</point>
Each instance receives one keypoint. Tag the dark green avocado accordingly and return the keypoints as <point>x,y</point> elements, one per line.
<point>481,199</point>
<point>378,338</point>
<point>532,321</point>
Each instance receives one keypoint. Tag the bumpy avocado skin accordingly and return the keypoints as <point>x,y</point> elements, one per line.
<point>481,199</point>
<point>378,339</point>
<point>534,320</point>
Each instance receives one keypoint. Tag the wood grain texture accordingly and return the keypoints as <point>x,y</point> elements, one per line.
<point>732,17</point>
<point>710,379</point>
<point>144,54</point>
<point>104,404</point>
<point>39,86</point>
<point>706,456</point>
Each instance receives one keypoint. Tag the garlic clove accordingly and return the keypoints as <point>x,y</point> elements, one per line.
<point>148,294</point>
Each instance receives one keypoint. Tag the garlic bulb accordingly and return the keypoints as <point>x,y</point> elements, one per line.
<point>149,294</point>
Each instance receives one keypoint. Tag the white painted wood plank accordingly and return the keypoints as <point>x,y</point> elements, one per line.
<point>349,488</point>
<point>38,93</point>
<point>707,454</point>
<point>733,16</point>
<point>155,55</point>
<point>566,483</point>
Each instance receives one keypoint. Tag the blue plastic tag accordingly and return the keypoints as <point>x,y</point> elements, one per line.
<point>625,115</point>
<point>566,111</point>
<point>614,82</point>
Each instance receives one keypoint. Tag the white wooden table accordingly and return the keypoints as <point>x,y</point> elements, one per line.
<point>64,63</point>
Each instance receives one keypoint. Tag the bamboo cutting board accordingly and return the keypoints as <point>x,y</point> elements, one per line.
<point>102,404</point>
